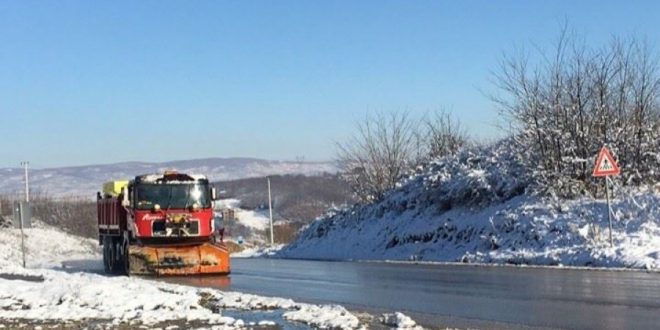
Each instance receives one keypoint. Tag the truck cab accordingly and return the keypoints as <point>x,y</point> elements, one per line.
<point>171,207</point>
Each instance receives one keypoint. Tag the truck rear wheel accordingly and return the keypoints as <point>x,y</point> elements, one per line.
<point>112,255</point>
<point>106,255</point>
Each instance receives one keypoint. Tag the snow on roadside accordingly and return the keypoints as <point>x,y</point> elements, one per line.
<point>318,316</point>
<point>79,292</point>
<point>83,296</point>
<point>400,321</point>
<point>480,206</point>
<point>258,251</point>
<point>72,289</point>
<point>524,230</point>
<point>46,247</point>
<point>324,317</point>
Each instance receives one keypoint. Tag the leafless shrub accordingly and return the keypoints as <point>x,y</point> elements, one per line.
<point>444,134</point>
<point>5,206</point>
<point>73,215</point>
<point>388,145</point>
<point>565,108</point>
<point>381,150</point>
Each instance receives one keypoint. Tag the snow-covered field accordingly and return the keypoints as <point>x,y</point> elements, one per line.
<point>255,222</point>
<point>475,208</point>
<point>47,247</point>
<point>254,219</point>
<point>64,283</point>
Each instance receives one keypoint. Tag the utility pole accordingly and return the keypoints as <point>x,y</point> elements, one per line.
<point>25,164</point>
<point>22,210</point>
<point>270,211</point>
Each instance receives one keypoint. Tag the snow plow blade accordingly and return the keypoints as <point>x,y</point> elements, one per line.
<point>207,258</point>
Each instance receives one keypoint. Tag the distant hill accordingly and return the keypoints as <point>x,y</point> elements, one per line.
<point>82,181</point>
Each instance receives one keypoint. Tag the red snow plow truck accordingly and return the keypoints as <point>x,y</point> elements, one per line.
<point>160,225</point>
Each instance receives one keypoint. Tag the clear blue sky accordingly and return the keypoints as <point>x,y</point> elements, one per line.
<point>85,82</point>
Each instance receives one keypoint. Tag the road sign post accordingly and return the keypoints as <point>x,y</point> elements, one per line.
<point>22,233</point>
<point>21,221</point>
<point>606,166</point>
<point>609,209</point>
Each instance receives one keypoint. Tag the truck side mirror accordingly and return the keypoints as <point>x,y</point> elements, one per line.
<point>125,202</point>
<point>214,195</point>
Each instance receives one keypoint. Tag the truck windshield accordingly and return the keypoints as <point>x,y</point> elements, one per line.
<point>172,196</point>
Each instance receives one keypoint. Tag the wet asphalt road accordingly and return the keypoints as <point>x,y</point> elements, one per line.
<point>457,295</point>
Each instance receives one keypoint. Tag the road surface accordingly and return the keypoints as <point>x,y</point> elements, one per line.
<point>459,296</point>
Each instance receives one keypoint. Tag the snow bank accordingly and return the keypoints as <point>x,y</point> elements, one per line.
<point>72,290</point>
<point>399,321</point>
<point>324,317</point>
<point>475,207</point>
<point>255,252</point>
<point>64,282</point>
<point>47,247</point>
<point>83,296</point>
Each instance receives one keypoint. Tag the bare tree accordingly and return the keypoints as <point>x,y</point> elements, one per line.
<point>383,149</point>
<point>74,215</point>
<point>388,145</point>
<point>444,134</point>
<point>564,108</point>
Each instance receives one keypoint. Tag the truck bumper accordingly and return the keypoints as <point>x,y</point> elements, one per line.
<point>207,258</point>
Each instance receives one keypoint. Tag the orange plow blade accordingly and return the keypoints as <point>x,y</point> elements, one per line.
<point>207,258</point>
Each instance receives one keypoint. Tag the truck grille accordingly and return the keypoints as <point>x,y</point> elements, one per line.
<point>160,228</point>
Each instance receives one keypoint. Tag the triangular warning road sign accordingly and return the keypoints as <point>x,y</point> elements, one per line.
<point>605,164</point>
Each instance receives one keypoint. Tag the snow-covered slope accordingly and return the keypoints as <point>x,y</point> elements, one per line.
<point>247,226</point>
<point>253,219</point>
<point>85,180</point>
<point>257,220</point>
<point>476,207</point>
<point>47,247</point>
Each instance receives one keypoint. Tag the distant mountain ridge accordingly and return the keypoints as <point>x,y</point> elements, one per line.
<point>83,181</point>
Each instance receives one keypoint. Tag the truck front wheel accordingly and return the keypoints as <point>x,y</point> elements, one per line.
<point>106,255</point>
<point>122,256</point>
